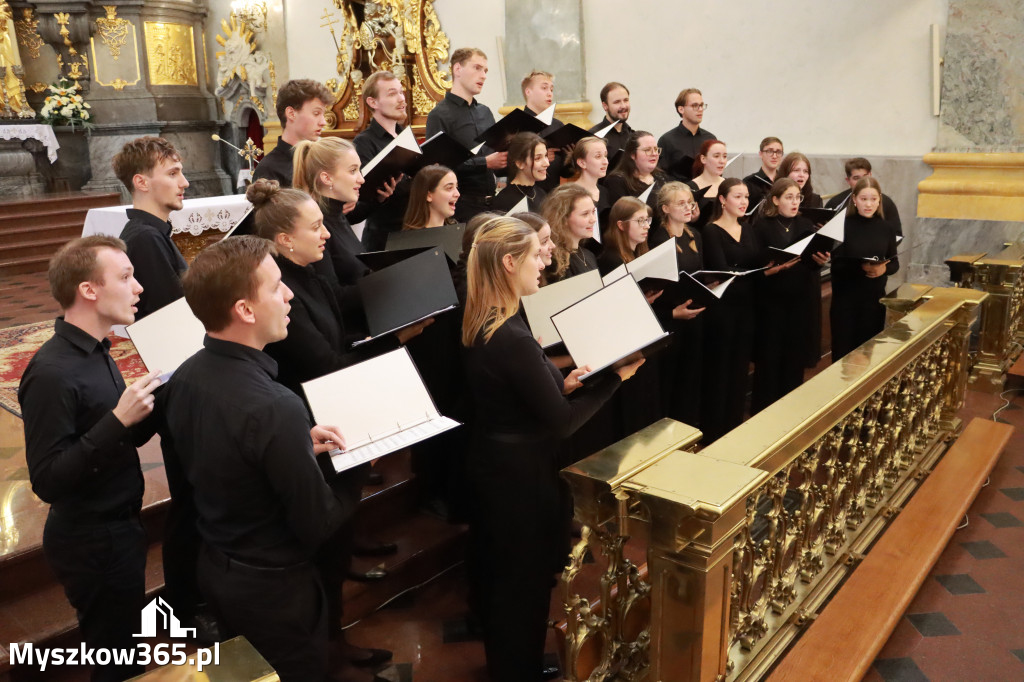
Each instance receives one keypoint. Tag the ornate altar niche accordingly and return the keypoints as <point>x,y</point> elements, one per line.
<point>402,36</point>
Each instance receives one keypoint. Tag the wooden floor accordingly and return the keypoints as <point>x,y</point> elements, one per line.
<point>965,624</point>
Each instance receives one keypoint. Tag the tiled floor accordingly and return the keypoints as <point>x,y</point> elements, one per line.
<point>25,299</point>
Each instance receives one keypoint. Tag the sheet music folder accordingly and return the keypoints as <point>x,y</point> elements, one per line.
<point>554,298</point>
<point>609,327</point>
<point>516,121</point>
<point>448,237</point>
<point>562,137</point>
<point>399,156</point>
<point>380,406</point>
<point>442,149</point>
<point>167,337</point>
<point>406,293</point>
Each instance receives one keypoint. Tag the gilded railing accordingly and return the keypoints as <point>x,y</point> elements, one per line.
<point>746,539</point>
<point>1002,314</point>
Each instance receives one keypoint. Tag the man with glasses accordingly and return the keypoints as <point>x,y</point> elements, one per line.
<point>682,144</point>
<point>759,183</point>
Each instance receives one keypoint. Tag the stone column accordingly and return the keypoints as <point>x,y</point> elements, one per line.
<point>975,199</point>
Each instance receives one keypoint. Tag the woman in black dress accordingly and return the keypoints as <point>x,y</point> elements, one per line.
<point>571,213</point>
<point>708,171</point>
<point>863,263</point>
<point>680,364</point>
<point>525,409</point>
<point>796,166</point>
<point>788,326</point>
<point>637,170</point>
<point>528,155</point>
<point>432,198</point>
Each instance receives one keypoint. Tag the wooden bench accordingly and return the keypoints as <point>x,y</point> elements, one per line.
<point>847,636</point>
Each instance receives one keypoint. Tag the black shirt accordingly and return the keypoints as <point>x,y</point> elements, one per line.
<point>276,165</point>
<point>343,246</point>
<point>864,238</point>
<point>615,139</point>
<point>759,185</point>
<point>892,214</point>
<point>518,390</point>
<point>677,144</point>
<point>157,261</point>
<point>388,216</point>
<point>81,459</point>
<point>507,198</point>
<point>243,442</point>
<point>465,121</point>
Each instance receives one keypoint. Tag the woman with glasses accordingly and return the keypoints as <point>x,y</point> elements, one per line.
<point>863,263</point>
<point>680,364</point>
<point>708,172</point>
<point>526,410</point>
<point>788,334</point>
<point>637,170</point>
<point>571,213</point>
<point>528,154</point>
<point>760,183</point>
<point>796,166</point>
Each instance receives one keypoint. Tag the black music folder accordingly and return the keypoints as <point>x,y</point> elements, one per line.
<point>448,237</point>
<point>442,149</point>
<point>406,293</point>
<point>819,216</point>
<point>380,405</point>
<point>682,168</point>
<point>692,289</point>
<point>245,225</point>
<point>516,121</point>
<point>610,328</point>
<point>822,241</point>
<point>568,134</point>
<point>378,260</point>
<point>398,157</point>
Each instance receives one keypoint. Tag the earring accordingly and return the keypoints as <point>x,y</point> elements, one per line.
<point>291,250</point>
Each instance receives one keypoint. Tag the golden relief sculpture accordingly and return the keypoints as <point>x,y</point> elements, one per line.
<point>27,30</point>
<point>170,50</point>
<point>62,20</point>
<point>13,103</point>
<point>401,36</point>
<point>113,31</point>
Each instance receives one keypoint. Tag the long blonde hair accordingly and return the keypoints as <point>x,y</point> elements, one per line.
<point>310,159</point>
<point>557,208</point>
<point>491,298</point>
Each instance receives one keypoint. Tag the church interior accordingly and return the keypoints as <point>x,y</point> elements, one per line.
<point>868,525</point>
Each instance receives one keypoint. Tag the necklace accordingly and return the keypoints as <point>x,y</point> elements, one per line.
<point>783,225</point>
<point>531,196</point>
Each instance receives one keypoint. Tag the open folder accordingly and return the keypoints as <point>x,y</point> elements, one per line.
<point>380,406</point>
<point>442,149</point>
<point>701,296</point>
<point>609,327</point>
<point>448,237</point>
<point>498,135</point>
<point>407,292</point>
<point>167,337</point>
<point>822,241</point>
<point>399,156</point>
<point>653,271</point>
<point>554,298</point>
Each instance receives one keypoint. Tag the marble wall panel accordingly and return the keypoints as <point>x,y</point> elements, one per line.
<point>545,34</point>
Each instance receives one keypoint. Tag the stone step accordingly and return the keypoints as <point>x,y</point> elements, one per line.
<point>24,266</point>
<point>39,247</point>
<point>61,226</point>
<point>16,224</point>
<point>49,202</point>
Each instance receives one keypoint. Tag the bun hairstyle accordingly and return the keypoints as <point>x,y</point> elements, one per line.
<point>275,209</point>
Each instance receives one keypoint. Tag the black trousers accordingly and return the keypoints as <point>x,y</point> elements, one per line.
<point>519,539</point>
<point>181,544</point>
<point>102,567</point>
<point>282,612</point>
<point>334,558</point>
<point>855,317</point>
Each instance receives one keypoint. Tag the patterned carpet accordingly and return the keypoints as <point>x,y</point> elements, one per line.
<point>19,344</point>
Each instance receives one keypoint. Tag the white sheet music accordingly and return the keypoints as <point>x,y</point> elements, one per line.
<point>405,139</point>
<point>380,406</point>
<point>522,207</point>
<point>167,337</point>
<point>646,193</point>
<point>836,227</point>
<point>555,298</point>
<point>547,116</point>
<point>608,326</point>
<point>616,274</point>
<point>659,262</point>
<point>604,131</point>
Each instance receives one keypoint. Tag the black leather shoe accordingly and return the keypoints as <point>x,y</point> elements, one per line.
<point>368,658</point>
<point>374,548</point>
<point>373,575</point>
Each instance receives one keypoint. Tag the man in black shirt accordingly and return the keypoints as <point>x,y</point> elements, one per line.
<point>460,115</point>
<point>385,97</point>
<point>81,430</point>
<point>685,140</point>
<point>759,183</point>
<point>615,102</point>
<point>150,167</point>
<point>245,445</point>
<point>301,108</point>
<point>856,169</point>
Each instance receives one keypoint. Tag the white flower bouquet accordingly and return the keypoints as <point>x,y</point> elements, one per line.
<point>65,107</point>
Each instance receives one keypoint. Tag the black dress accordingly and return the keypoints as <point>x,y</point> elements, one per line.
<point>581,260</point>
<point>758,184</point>
<point>618,186</point>
<point>681,363</point>
<point>787,327</point>
<point>520,527</point>
<point>507,198</point>
<point>857,314</point>
<point>705,205</point>
<point>729,331</point>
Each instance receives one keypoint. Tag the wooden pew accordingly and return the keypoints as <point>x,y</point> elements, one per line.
<point>847,636</point>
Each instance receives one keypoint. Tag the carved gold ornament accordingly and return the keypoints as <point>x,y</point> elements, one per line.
<point>171,52</point>
<point>62,20</point>
<point>27,30</point>
<point>38,87</point>
<point>113,30</point>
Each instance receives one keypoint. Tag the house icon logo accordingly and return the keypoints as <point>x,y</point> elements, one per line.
<point>160,612</point>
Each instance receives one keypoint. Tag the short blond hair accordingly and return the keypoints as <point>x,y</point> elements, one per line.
<point>528,80</point>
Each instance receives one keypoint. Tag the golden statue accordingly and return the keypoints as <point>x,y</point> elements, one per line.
<point>12,89</point>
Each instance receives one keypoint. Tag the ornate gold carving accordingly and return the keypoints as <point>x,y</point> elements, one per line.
<point>436,46</point>
<point>422,104</point>
<point>113,31</point>
<point>27,30</point>
<point>38,87</point>
<point>171,52</point>
<point>351,111</point>
<point>126,73</point>
<point>62,20</point>
<point>119,84</point>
